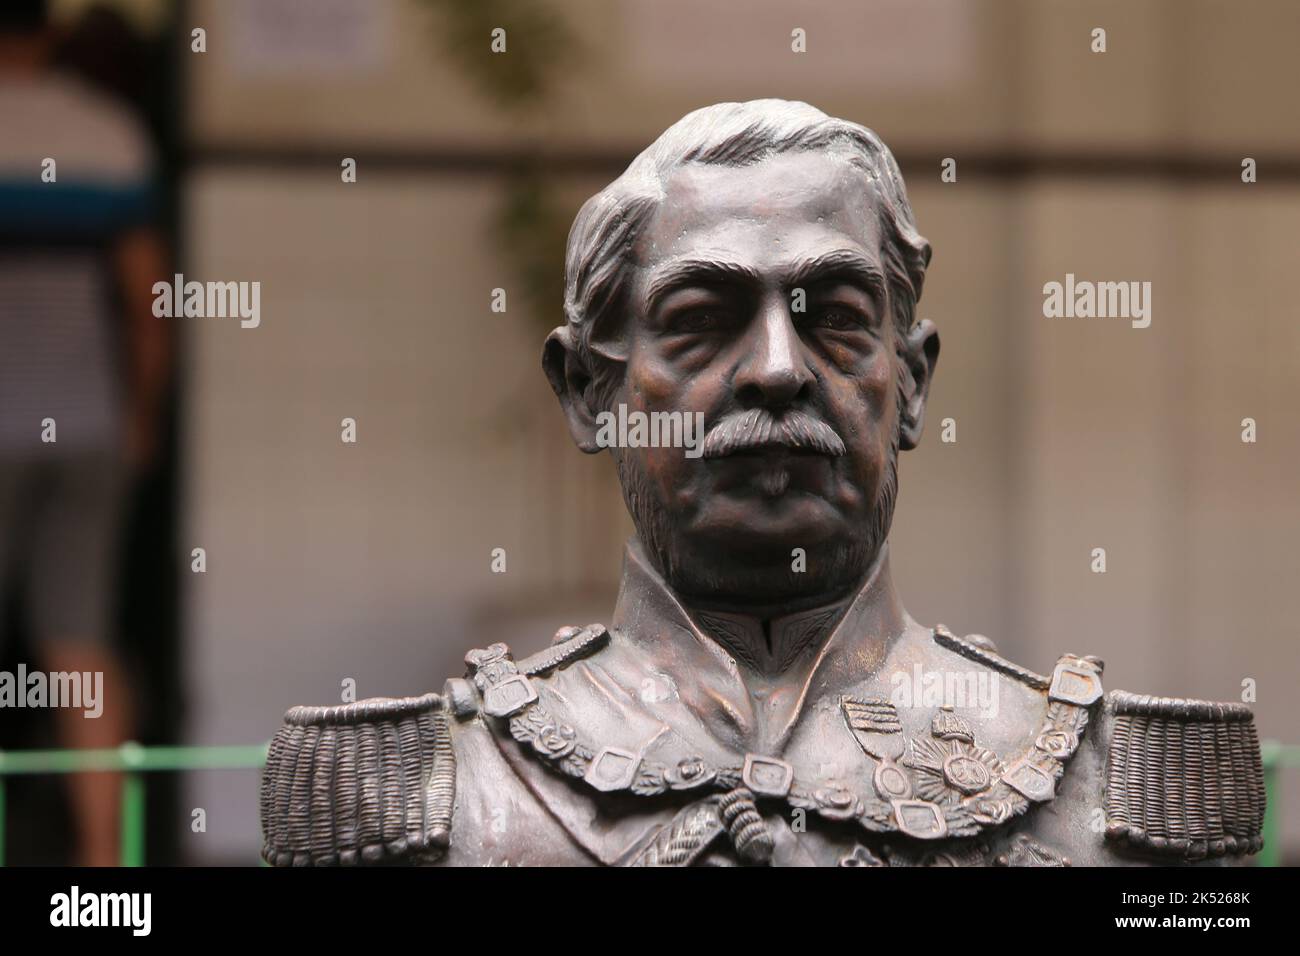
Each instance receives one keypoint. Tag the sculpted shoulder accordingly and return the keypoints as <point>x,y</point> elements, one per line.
<point>388,780</point>
<point>1162,781</point>
<point>1152,780</point>
<point>1149,779</point>
<point>369,782</point>
<point>1184,779</point>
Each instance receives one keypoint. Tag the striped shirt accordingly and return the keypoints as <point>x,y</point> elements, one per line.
<point>59,320</point>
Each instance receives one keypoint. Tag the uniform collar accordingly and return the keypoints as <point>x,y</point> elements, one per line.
<point>740,706</point>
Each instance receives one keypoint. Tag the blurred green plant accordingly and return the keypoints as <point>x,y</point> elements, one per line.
<point>539,42</point>
<point>531,224</point>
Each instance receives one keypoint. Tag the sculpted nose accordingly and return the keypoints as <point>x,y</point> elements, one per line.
<point>773,371</point>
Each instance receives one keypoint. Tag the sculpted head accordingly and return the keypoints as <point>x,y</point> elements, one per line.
<point>759,264</point>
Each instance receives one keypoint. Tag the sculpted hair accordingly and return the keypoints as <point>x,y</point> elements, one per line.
<point>598,258</point>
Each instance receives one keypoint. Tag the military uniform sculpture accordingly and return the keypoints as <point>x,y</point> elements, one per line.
<point>760,696</point>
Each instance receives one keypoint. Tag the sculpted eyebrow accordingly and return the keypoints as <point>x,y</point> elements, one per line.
<point>697,272</point>
<point>845,266</point>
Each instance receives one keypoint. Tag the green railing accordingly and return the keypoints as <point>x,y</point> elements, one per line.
<point>1276,757</point>
<point>134,761</point>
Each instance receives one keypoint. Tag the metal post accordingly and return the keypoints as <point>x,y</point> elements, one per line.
<point>132,806</point>
<point>1271,854</point>
<point>134,761</point>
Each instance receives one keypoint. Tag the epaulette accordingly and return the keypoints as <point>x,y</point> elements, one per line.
<point>466,697</point>
<point>1184,777</point>
<point>370,782</point>
<point>569,644</point>
<point>981,650</point>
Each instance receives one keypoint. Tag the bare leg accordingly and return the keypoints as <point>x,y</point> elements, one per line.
<point>95,798</point>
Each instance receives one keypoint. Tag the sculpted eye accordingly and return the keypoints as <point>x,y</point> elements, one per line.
<point>837,319</point>
<point>698,320</point>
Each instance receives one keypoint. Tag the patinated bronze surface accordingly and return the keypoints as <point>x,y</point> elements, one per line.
<point>759,696</point>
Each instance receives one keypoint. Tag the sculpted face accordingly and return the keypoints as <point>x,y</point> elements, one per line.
<point>799,406</point>
<point>756,295</point>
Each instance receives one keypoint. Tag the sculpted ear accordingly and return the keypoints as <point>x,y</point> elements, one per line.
<point>571,381</point>
<point>920,354</point>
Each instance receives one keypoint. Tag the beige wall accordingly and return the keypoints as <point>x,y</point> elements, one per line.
<point>328,561</point>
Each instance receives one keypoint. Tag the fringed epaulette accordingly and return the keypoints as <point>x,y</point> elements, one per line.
<point>1184,777</point>
<point>370,782</point>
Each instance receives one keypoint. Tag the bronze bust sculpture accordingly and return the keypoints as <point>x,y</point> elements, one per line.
<point>751,700</point>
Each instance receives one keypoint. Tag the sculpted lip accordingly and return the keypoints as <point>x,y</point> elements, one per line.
<point>773,470</point>
<point>774,451</point>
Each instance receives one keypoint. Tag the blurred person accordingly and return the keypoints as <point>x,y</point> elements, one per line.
<point>79,346</point>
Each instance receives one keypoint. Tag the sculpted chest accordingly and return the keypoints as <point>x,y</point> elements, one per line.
<point>544,761</point>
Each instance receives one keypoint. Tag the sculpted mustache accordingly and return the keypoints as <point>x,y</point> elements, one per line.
<point>757,428</point>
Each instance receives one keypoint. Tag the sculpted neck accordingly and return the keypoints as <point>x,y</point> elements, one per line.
<point>772,638</point>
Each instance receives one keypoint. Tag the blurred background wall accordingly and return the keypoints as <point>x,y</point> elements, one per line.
<point>371,561</point>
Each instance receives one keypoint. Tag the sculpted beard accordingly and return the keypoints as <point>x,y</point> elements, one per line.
<point>828,574</point>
